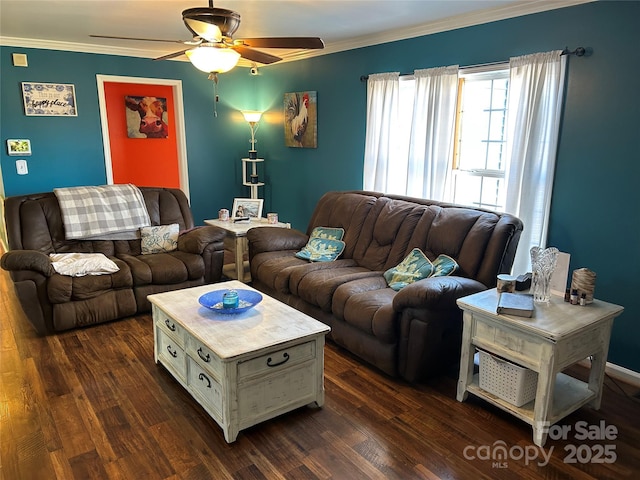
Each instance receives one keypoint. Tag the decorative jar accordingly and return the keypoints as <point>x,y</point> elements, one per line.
<point>230,299</point>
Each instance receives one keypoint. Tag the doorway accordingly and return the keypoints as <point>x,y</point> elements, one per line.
<point>154,160</point>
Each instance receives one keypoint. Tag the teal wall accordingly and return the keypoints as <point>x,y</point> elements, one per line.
<point>594,211</point>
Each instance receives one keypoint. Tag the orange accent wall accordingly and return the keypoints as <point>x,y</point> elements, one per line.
<point>148,162</point>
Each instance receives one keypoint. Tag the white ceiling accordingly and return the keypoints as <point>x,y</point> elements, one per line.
<point>343,25</point>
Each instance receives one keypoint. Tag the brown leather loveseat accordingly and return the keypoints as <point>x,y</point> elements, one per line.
<point>414,332</point>
<point>54,302</point>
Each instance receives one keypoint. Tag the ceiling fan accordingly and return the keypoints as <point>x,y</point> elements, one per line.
<point>213,49</point>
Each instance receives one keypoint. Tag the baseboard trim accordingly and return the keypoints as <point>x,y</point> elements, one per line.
<point>619,373</point>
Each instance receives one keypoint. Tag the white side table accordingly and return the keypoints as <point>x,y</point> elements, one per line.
<point>557,336</point>
<point>236,242</point>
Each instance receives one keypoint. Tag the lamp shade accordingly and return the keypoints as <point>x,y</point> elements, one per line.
<point>212,58</point>
<point>251,116</point>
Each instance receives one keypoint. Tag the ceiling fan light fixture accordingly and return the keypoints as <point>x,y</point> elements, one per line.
<point>212,58</point>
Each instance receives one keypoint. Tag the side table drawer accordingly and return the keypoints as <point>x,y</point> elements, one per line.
<point>205,387</point>
<point>274,361</point>
<point>528,347</point>
<point>171,353</point>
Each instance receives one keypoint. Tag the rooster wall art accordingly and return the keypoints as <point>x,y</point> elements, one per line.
<point>300,124</point>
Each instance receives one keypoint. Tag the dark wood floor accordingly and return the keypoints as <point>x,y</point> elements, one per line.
<point>91,403</point>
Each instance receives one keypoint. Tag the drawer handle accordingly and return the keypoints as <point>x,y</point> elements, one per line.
<point>174,354</point>
<point>207,358</point>
<point>203,377</point>
<point>170,326</point>
<point>284,355</point>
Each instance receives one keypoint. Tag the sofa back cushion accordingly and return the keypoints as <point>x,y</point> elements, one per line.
<point>345,210</point>
<point>34,222</point>
<point>385,236</point>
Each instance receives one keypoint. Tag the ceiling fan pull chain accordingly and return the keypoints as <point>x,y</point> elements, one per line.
<point>214,76</point>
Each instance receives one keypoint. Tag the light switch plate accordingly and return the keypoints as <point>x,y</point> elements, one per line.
<point>21,167</point>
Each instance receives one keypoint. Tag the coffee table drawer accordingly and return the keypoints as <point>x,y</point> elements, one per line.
<point>206,387</point>
<point>171,327</point>
<point>204,356</point>
<point>264,395</point>
<point>171,353</point>
<point>274,361</point>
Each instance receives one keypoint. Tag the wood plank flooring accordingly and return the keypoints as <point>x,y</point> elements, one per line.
<point>92,404</point>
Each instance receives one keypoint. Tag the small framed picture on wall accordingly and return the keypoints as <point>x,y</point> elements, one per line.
<point>18,147</point>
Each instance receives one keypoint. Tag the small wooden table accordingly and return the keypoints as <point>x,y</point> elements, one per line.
<point>557,336</point>
<point>236,242</point>
<point>242,368</point>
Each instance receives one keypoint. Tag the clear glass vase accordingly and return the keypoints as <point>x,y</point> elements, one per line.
<point>543,263</point>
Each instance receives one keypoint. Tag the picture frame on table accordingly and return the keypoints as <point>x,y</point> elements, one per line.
<point>247,207</point>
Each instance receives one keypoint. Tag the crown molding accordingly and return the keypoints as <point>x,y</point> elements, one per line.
<point>526,7</point>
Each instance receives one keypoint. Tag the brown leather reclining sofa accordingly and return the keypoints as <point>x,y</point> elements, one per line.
<point>54,302</point>
<point>414,332</point>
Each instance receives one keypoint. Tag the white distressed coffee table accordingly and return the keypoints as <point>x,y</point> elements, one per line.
<point>243,368</point>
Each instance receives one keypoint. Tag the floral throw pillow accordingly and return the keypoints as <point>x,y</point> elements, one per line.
<point>332,233</point>
<point>325,245</point>
<point>321,250</point>
<point>444,266</point>
<point>159,239</point>
<point>414,267</point>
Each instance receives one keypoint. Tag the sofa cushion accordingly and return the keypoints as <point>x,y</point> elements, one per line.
<point>414,267</point>
<point>274,268</point>
<point>316,283</point>
<point>366,305</point>
<point>164,268</point>
<point>159,238</point>
<point>65,288</point>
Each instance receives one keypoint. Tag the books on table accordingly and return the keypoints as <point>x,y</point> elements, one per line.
<point>518,304</point>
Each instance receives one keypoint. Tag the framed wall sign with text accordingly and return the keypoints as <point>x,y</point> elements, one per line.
<point>49,99</point>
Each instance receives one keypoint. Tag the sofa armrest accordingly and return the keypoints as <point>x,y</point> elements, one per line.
<point>198,238</point>
<point>16,260</point>
<point>273,239</point>
<point>436,293</point>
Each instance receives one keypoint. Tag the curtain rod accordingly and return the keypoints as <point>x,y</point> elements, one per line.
<point>578,52</point>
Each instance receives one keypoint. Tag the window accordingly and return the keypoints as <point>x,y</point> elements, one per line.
<point>479,162</point>
<point>481,137</point>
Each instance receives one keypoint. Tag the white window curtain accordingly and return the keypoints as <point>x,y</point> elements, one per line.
<point>383,93</point>
<point>432,132</point>
<point>536,88</point>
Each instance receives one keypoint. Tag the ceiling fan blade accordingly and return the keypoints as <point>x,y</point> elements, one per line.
<point>255,55</point>
<point>135,38</point>
<point>208,31</point>
<point>284,42</point>
<point>172,55</point>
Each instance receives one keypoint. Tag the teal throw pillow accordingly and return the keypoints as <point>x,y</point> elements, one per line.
<point>444,266</point>
<point>414,267</point>
<point>321,250</point>
<point>331,233</point>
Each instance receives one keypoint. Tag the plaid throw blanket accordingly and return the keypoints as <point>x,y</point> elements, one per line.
<point>113,212</point>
